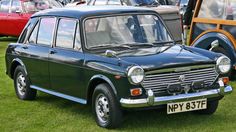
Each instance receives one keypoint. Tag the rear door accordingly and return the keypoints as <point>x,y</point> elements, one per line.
<point>4,12</point>
<point>66,59</point>
<point>36,52</point>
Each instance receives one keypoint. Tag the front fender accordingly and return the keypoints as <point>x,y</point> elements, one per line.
<point>205,41</point>
<point>105,79</point>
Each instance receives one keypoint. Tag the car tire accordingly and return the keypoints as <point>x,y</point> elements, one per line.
<point>22,85</point>
<point>105,107</point>
<point>223,51</point>
<point>211,108</point>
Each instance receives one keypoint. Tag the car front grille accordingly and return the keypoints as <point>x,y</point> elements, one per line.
<point>159,80</point>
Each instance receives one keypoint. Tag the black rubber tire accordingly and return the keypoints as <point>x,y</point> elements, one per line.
<point>29,94</point>
<point>115,113</point>
<point>211,108</point>
<point>223,51</point>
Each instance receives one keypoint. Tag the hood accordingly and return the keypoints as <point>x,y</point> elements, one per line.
<point>164,57</point>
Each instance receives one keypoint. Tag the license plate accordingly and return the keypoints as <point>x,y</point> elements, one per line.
<point>186,106</point>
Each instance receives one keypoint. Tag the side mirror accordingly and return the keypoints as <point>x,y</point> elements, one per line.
<point>214,44</point>
<point>110,53</point>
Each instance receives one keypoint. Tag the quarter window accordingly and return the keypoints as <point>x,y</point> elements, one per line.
<point>4,6</point>
<point>33,35</point>
<point>46,29</point>
<point>65,33</point>
<point>77,39</point>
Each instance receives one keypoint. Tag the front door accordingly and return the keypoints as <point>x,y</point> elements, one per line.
<point>66,59</point>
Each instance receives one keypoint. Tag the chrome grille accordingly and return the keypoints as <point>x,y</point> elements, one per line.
<point>159,81</point>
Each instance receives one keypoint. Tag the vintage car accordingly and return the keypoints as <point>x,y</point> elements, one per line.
<point>169,13</point>
<point>214,27</point>
<point>114,58</point>
<point>14,14</point>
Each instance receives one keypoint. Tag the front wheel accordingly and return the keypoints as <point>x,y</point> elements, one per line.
<point>105,107</point>
<point>211,108</point>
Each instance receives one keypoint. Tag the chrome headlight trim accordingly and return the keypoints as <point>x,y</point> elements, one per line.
<point>223,64</point>
<point>136,78</point>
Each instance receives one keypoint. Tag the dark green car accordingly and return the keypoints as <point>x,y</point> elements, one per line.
<point>114,58</point>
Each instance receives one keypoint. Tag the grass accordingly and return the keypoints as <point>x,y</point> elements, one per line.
<point>49,113</point>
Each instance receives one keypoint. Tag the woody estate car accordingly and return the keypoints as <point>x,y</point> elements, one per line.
<point>114,58</point>
<point>213,28</point>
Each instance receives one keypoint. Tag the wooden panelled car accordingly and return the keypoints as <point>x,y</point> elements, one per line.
<point>114,58</point>
<point>214,27</point>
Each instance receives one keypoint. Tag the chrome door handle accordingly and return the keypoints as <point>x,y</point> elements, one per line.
<point>25,47</point>
<point>52,51</point>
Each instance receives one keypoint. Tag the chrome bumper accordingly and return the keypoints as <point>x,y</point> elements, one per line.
<point>153,101</point>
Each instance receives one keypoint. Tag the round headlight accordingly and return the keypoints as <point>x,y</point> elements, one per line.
<point>135,75</point>
<point>223,64</point>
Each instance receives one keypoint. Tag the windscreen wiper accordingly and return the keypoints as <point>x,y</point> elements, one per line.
<point>109,46</point>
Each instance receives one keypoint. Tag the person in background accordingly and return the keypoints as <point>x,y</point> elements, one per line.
<point>189,13</point>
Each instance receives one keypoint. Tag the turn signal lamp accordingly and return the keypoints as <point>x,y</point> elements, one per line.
<point>136,91</point>
<point>225,80</point>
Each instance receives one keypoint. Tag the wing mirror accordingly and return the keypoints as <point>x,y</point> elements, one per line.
<point>110,53</point>
<point>214,44</point>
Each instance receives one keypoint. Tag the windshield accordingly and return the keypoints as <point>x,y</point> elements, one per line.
<point>123,30</point>
<point>32,6</point>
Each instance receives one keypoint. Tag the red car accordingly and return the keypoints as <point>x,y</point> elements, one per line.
<point>14,14</point>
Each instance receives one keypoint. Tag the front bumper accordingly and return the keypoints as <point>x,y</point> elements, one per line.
<point>154,101</point>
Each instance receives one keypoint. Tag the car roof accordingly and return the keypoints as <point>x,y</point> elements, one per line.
<point>83,11</point>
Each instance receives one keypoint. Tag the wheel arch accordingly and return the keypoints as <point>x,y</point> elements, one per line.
<point>226,41</point>
<point>94,81</point>
<point>16,62</point>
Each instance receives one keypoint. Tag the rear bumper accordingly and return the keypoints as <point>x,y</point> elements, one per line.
<point>154,101</point>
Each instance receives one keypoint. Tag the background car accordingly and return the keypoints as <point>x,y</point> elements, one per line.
<point>214,27</point>
<point>14,14</point>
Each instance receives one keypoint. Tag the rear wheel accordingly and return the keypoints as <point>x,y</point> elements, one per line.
<point>22,85</point>
<point>105,107</point>
<point>211,108</point>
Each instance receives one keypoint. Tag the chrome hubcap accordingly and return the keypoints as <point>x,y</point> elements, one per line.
<point>21,84</point>
<point>102,108</point>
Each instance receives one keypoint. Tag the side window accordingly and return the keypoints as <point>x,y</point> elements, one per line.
<point>4,6</point>
<point>46,29</point>
<point>215,9</point>
<point>24,35</point>
<point>77,39</point>
<point>65,33</point>
<point>15,6</point>
<point>33,36</point>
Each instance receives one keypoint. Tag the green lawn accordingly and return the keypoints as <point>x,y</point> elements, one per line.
<point>49,113</point>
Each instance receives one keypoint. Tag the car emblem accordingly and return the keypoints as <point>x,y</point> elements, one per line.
<point>181,78</point>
